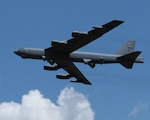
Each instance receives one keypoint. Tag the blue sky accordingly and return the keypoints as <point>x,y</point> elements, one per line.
<point>116,93</point>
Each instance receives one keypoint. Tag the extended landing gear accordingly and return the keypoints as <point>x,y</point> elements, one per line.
<point>51,61</point>
<point>91,64</point>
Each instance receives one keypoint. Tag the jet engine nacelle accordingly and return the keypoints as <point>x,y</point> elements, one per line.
<point>97,27</point>
<point>77,34</point>
<point>51,67</point>
<point>58,43</point>
<point>63,76</point>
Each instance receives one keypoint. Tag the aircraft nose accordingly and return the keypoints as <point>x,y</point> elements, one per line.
<point>17,52</point>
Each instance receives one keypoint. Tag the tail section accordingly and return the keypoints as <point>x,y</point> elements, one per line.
<point>128,60</point>
<point>127,48</point>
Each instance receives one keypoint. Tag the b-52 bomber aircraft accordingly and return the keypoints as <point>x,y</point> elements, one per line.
<point>62,54</point>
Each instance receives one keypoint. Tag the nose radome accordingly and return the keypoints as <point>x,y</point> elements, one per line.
<point>16,52</point>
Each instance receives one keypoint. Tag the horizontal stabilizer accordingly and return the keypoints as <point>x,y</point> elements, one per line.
<point>128,59</point>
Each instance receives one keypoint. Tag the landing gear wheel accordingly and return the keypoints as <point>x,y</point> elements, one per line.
<point>91,64</point>
<point>51,61</point>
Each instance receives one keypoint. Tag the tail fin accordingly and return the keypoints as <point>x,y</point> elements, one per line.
<point>127,60</point>
<point>127,48</point>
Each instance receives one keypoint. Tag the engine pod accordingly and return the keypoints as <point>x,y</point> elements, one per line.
<point>78,34</point>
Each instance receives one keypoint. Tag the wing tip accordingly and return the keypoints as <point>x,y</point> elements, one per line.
<point>121,21</point>
<point>84,82</point>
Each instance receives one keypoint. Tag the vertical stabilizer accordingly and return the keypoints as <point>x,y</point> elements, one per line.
<point>127,48</point>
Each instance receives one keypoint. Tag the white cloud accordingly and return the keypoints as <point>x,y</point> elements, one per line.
<point>138,108</point>
<point>71,105</point>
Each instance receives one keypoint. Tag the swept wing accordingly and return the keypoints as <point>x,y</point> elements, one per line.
<point>73,71</point>
<point>81,39</point>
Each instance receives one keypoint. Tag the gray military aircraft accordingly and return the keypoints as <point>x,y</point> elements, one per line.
<point>62,54</point>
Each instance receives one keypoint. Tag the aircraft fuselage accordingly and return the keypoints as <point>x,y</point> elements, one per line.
<point>84,57</point>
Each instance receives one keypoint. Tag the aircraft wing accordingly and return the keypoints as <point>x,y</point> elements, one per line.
<point>80,39</point>
<point>61,49</point>
<point>68,66</point>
